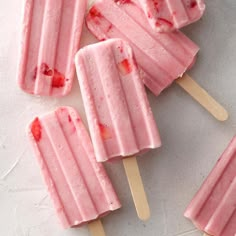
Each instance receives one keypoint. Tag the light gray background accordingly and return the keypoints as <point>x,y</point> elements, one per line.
<point>192,139</point>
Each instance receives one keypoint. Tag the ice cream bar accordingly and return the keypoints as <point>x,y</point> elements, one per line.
<point>50,39</point>
<point>120,119</point>
<point>168,15</point>
<point>79,186</point>
<point>213,209</point>
<point>161,57</point>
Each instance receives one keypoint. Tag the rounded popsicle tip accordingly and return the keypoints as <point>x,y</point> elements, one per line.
<point>221,115</point>
<point>144,215</point>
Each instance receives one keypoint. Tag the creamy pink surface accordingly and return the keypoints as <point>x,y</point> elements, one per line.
<point>50,39</point>
<point>120,119</point>
<point>167,15</point>
<point>213,209</point>
<point>79,186</point>
<point>162,58</point>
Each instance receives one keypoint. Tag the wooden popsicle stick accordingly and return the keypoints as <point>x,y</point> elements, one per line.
<point>96,228</point>
<point>205,234</point>
<point>201,96</point>
<point>136,187</point>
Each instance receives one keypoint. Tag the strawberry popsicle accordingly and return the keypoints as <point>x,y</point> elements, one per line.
<point>213,209</point>
<point>120,119</point>
<point>50,39</point>
<point>161,57</point>
<point>168,15</point>
<point>79,186</point>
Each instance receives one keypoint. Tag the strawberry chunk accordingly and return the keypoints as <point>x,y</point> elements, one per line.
<point>105,131</point>
<point>156,5</point>
<point>94,12</point>
<point>162,21</point>
<point>44,69</point>
<point>36,129</point>
<point>125,67</point>
<point>193,4</point>
<point>58,79</point>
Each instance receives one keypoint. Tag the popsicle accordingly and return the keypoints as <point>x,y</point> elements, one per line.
<point>213,209</point>
<point>50,38</point>
<point>169,15</point>
<point>79,186</point>
<point>161,57</point>
<point>120,119</point>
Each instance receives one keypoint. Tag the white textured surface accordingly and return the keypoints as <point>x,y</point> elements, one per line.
<point>192,139</point>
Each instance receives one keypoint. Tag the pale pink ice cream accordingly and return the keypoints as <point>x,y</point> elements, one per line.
<point>79,186</point>
<point>120,119</point>
<point>50,39</point>
<point>213,209</point>
<point>168,15</point>
<point>161,58</point>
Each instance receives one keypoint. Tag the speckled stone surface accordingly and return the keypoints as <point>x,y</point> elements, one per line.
<point>192,139</point>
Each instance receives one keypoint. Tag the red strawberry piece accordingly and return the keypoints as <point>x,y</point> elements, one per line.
<point>125,67</point>
<point>58,79</point>
<point>94,12</point>
<point>36,129</point>
<point>156,5</point>
<point>105,131</point>
<point>44,69</point>
<point>69,118</point>
<point>193,4</point>
<point>161,21</point>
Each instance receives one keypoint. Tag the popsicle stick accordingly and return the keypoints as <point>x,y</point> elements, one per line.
<point>136,187</point>
<point>206,234</point>
<point>96,228</point>
<point>201,96</point>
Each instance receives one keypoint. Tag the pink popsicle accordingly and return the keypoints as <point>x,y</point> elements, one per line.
<point>50,39</point>
<point>162,58</point>
<point>120,119</point>
<point>168,15</point>
<point>213,209</point>
<point>79,186</point>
